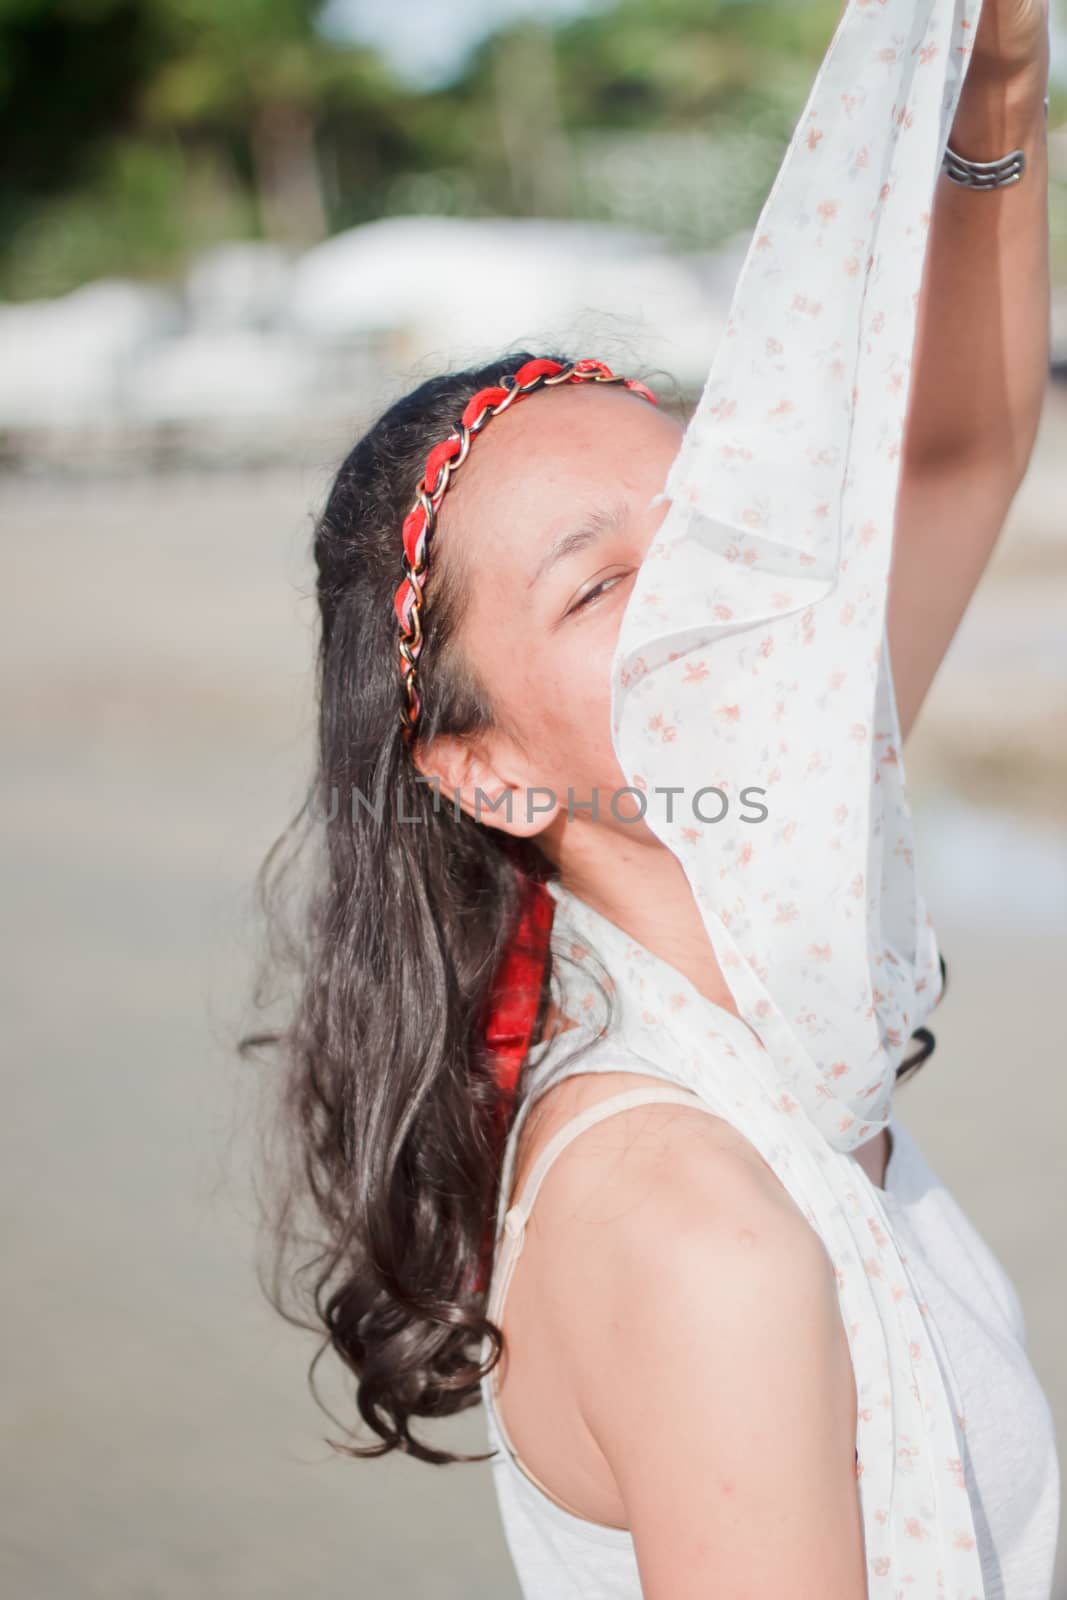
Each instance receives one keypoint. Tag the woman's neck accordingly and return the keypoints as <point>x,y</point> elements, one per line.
<point>644,891</point>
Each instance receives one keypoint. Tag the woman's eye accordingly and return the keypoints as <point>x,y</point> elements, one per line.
<point>595,592</point>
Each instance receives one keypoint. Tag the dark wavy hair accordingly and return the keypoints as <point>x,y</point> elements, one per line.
<point>391,915</point>
<point>392,912</point>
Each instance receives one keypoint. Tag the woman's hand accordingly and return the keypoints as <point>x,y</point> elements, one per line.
<point>1012,42</point>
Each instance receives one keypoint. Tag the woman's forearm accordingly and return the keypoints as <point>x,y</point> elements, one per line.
<point>982,352</point>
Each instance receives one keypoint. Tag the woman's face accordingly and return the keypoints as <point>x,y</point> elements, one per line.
<point>549,521</point>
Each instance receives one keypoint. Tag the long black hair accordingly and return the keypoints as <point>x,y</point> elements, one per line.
<point>392,914</point>
<point>403,907</point>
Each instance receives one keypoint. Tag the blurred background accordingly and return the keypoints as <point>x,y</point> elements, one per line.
<point>230,232</point>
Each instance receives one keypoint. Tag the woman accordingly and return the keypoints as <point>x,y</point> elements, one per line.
<point>687,1402</point>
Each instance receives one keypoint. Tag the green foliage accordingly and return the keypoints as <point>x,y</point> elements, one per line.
<point>132,132</point>
<point>69,77</point>
<point>673,117</point>
<point>145,208</point>
<point>679,62</point>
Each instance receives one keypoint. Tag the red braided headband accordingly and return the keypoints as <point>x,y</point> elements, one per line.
<point>442,461</point>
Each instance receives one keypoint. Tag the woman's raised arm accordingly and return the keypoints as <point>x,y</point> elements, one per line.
<point>982,352</point>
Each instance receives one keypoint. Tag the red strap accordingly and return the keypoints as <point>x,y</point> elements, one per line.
<point>412,528</point>
<point>445,451</point>
<point>517,988</point>
<point>513,1008</point>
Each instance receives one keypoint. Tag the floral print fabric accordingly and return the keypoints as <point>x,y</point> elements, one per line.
<point>753,656</point>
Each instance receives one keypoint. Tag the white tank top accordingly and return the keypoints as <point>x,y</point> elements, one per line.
<point>1008,1446</point>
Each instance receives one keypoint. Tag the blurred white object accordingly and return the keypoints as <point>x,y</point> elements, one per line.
<point>240,285</point>
<point>253,334</point>
<point>1058,326</point>
<point>64,361</point>
<point>232,374</point>
<point>458,290</point>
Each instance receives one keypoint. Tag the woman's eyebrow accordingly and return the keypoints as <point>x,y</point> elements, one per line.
<point>602,520</point>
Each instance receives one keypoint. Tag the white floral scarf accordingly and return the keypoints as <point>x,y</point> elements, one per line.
<point>752,656</point>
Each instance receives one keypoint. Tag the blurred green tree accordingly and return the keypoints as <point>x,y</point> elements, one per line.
<point>135,132</point>
<point>628,113</point>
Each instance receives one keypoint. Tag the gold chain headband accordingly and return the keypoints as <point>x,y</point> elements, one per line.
<point>442,461</point>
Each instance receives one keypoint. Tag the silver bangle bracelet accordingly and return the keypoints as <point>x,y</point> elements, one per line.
<point>985,174</point>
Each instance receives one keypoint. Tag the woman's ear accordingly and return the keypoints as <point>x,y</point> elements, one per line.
<point>487,777</point>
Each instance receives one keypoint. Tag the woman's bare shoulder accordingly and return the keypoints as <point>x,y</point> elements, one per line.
<point>693,1311</point>
<point>633,1201</point>
<point>634,1146</point>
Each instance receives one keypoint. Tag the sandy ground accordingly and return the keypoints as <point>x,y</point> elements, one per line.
<point>160,1442</point>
